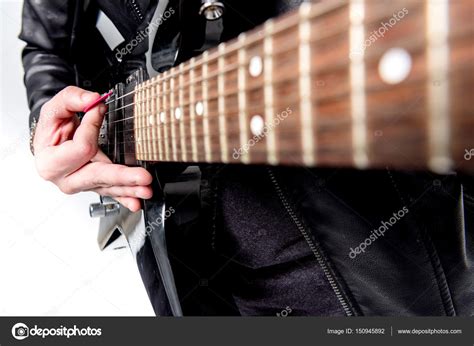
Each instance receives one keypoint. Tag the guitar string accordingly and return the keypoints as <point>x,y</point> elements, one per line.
<point>186,116</point>
<point>166,126</point>
<point>186,104</point>
<point>167,97</point>
<point>214,114</point>
<point>197,82</point>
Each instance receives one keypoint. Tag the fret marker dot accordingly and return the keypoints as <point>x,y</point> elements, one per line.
<point>395,65</point>
<point>178,113</point>
<point>256,125</point>
<point>162,117</point>
<point>199,108</point>
<point>256,66</point>
<point>151,120</point>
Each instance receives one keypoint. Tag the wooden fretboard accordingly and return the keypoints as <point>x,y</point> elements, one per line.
<point>318,87</point>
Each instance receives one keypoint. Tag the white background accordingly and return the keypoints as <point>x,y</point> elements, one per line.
<point>50,263</point>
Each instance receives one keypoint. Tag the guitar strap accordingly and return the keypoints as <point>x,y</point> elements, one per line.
<point>153,29</point>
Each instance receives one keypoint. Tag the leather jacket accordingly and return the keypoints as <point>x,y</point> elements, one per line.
<point>388,242</point>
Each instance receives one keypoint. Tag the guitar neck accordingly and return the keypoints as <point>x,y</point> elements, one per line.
<point>340,83</point>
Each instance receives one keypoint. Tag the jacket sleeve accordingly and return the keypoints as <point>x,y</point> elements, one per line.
<point>47,30</point>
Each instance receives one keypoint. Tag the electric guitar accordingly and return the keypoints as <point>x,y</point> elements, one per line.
<point>338,83</point>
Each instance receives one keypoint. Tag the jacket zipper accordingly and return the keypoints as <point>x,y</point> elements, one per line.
<point>311,244</point>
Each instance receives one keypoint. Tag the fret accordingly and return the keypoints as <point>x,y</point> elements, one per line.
<point>158,122</point>
<point>145,140</point>
<point>357,83</point>
<point>152,121</point>
<point>164,120</point>
<point>192,112</point>
<point>143,122</point>
<point>221,104</point>
<point>205,101</point>
<point>183,117</point>
<point>268,92</point>
<point>148,123</point>
<point>231,88</point>
<point>306,116</point>
<point>154,110</point>
<point>141,137</point>
<point>171,116</point>
<point>176,115</point>
<point>255,99</point>
<point>330,88</point>
<point>136,110</point>
<point>396,102</point>
<point>140,123</point>
<point>242,100</point>
<point>199,110</point>
<point>437,56</point>
<point>286,95</point>
<point>213,108</point>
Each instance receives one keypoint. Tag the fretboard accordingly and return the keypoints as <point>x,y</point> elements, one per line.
<point>339,83</point>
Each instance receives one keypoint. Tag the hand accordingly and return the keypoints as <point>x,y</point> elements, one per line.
<point>67,152</point>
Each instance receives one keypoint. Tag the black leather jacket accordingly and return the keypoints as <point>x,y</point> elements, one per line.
<point>423,264</point>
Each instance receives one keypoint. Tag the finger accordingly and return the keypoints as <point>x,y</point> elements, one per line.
<point>56,162</point>
<point>133,204</point>
<point>88,131</point>
<point>98,174</point>
<point>50,133</point>
<point>66,103</point>
<point>84,142</point>
<point>73,154</point>
<point>143,192</point>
